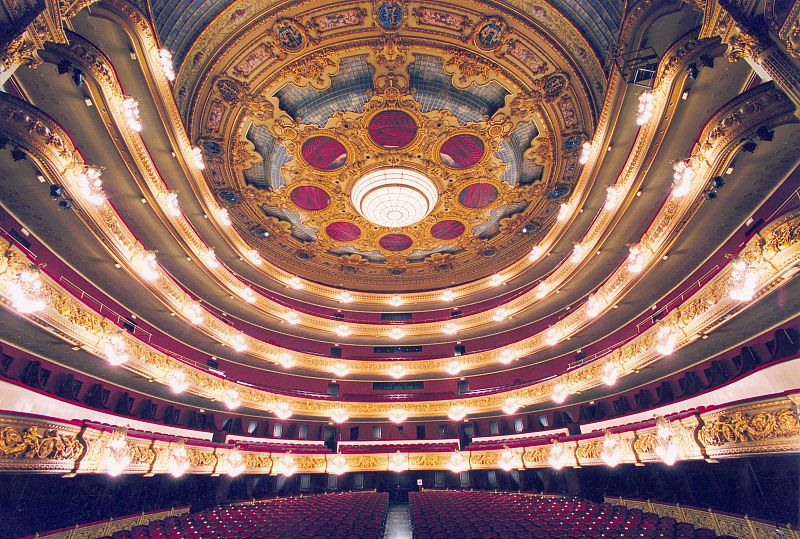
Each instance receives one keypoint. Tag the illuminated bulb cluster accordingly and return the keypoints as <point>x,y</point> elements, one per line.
<point>397,371</point>
<point>115,348</point>
<point>287,465</point>
<point>396,334</point>
<point>292,318</point>
<point>193,311</point>
<point>500,314</point>
<point>578,251</point>
<point>535,254</point>
<point>594,305</point>
<point>177,380</point>
<point>286,360</point>
<point>666,444</point>
<point>511,405</point>
<point>248,294</point>
<point>457,412</point>
<point>224,217</point>
<point>343,330</point>
<point>337,465</point>
<point>197,158</point>
<point>398,462</point>
<point>295,283</point>
<point>234,463</point>
<point>635,262</point>
<point>507,461</point>
<point>553,335</point>
<point>613,195</point>
<point>448,295</point>
<point>450,328</point>
<point>507,357</point>
<point>666,339</point>
<point>564,211</point>
<point>238,341</point>
<point>231,399</point>
<point>172,206</point>
<point>610,451</point>
<point>117,456</point>
<point>210,258</point>
<point>282,410</point>
<point>457,462</point>
<point>178,459</point>
<point>345,297</point>
<point>254,257</point>
<point>90,186</point>
<point>395,301</point>
<point>165,61</point>
<point>341,369</point>
<point>542,290</point>
<point>557,456</point>
<point>744,280</point>
<point>560,392</point>
<point>146,265</point>
<point>647,106</point>
<point>26,291</point>
<point>397,415</point>
<point>454,367</point>
<point>496,279</point>
<point>682,178</point>
<point>610,373</point>
<point>339,415</point>
<point>130,109</point>
<point>586,151</point>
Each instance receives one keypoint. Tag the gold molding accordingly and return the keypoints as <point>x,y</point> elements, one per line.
<point>778,246</point>
<point>82,447</point>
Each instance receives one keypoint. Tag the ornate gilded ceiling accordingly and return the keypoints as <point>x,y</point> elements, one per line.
<point>293,108</point>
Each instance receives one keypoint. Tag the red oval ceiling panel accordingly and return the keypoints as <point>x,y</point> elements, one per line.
<point>461,151</point>
<point>324,153</point>
<point>477,195</point>
<point>311,198</point>
<point>392,129</point>
<point>395,242</point>
<point>447,230</point>
<point>343,231</point>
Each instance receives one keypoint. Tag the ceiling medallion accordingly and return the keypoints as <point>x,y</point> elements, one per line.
<point>394,197</point>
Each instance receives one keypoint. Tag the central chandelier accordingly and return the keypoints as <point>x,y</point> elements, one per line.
<point>394,197</point>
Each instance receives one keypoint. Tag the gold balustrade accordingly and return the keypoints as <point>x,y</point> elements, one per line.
<point>722,523</point>
<point>769,425</point>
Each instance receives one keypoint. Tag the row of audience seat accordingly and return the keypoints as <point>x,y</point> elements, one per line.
<point>489,515</point>
<point>351,515</point>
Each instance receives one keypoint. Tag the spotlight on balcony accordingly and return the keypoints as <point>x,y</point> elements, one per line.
<point>765,133</point>
<point>749,146</point>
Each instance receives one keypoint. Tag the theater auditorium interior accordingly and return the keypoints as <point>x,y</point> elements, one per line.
<point>406,269</point>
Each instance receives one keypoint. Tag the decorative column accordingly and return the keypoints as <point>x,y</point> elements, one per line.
<point>748,38</point>
<point>28,25</point>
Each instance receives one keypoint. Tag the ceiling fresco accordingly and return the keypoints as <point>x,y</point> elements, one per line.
<point>304,107</point>
<point>180,22</point>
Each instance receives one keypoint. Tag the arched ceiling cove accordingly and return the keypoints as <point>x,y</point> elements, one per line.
<point>180,22</point>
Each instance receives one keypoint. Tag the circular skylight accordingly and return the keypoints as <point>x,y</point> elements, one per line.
<point>394,197</point>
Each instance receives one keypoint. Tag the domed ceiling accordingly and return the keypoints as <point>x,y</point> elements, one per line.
<point>390,146</point>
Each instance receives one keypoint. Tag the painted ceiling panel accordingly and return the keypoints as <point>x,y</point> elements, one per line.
<point>180,22</point>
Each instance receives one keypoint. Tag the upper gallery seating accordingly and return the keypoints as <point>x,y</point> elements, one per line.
<point>352,515</point>
<point>485,515</point>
